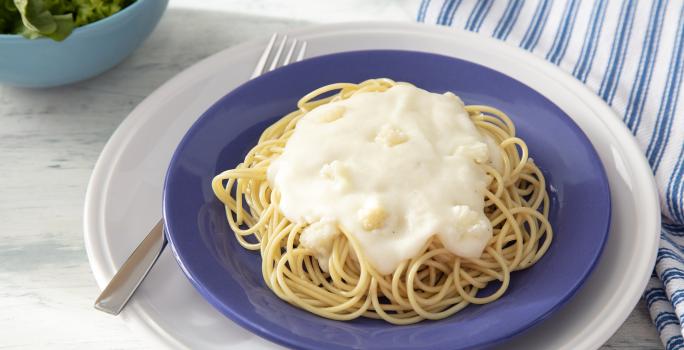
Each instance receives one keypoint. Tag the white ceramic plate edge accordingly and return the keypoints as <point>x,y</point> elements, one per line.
<point>103,266</point>
<point>101,263</point>
<point>649,196</point>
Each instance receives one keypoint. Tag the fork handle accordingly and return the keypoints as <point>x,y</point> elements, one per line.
<point>120,289</point>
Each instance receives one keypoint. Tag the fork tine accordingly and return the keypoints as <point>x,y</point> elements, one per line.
<point>276,58</point>
<point>275,61</point>
<point>302,51</point>
<point>290,52</point>
<point>261,65</point>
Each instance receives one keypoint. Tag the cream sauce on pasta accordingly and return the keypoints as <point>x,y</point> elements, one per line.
<point>391,169</point>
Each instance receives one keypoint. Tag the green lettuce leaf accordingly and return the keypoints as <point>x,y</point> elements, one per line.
<point>88,11</point>
<point>55,19</point>
<point>38,20</point>
<point>9,17</point>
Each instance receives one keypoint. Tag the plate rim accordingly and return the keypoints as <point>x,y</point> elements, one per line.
<point>103,265</point>
<point>246,320</point>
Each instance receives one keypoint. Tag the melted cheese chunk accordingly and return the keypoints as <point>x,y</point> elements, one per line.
<point>319,237</point>
<point>391,169</point>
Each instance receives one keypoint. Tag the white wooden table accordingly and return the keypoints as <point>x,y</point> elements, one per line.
<point>50,140</point>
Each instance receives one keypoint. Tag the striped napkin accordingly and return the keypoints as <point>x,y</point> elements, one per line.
<point>631,53</point>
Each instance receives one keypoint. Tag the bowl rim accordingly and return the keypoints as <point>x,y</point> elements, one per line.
<point>82,29</point>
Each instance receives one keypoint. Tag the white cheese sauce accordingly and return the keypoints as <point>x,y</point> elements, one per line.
<point>392,169</point>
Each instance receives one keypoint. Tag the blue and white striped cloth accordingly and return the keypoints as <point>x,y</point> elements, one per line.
<point>631,53</point>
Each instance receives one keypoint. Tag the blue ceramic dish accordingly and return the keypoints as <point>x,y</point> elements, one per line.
<point>87,52</point>
<point>229,277</point>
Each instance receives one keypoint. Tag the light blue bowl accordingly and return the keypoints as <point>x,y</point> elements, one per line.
<point>87,52</point>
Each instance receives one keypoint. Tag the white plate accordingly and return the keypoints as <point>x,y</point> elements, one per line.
<point>124,194</point>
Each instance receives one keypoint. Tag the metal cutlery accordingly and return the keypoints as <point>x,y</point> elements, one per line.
<point>127,279</point>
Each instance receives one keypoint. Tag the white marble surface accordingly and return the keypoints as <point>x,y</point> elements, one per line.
<point>50,140</point>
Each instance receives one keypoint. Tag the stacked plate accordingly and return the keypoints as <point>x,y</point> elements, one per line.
<point>124,196</point>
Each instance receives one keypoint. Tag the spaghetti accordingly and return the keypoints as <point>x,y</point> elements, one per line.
<point>435,283</point>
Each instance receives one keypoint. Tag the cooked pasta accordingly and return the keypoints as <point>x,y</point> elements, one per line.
<point>433,284</point>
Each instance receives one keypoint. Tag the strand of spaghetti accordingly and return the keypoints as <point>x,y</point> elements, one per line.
<point>509,126</point>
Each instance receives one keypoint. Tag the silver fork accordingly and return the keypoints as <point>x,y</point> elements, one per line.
<point>263,65</point>
<point>125,282</point>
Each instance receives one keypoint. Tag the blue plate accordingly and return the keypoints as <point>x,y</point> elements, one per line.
<point>229,277</point>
